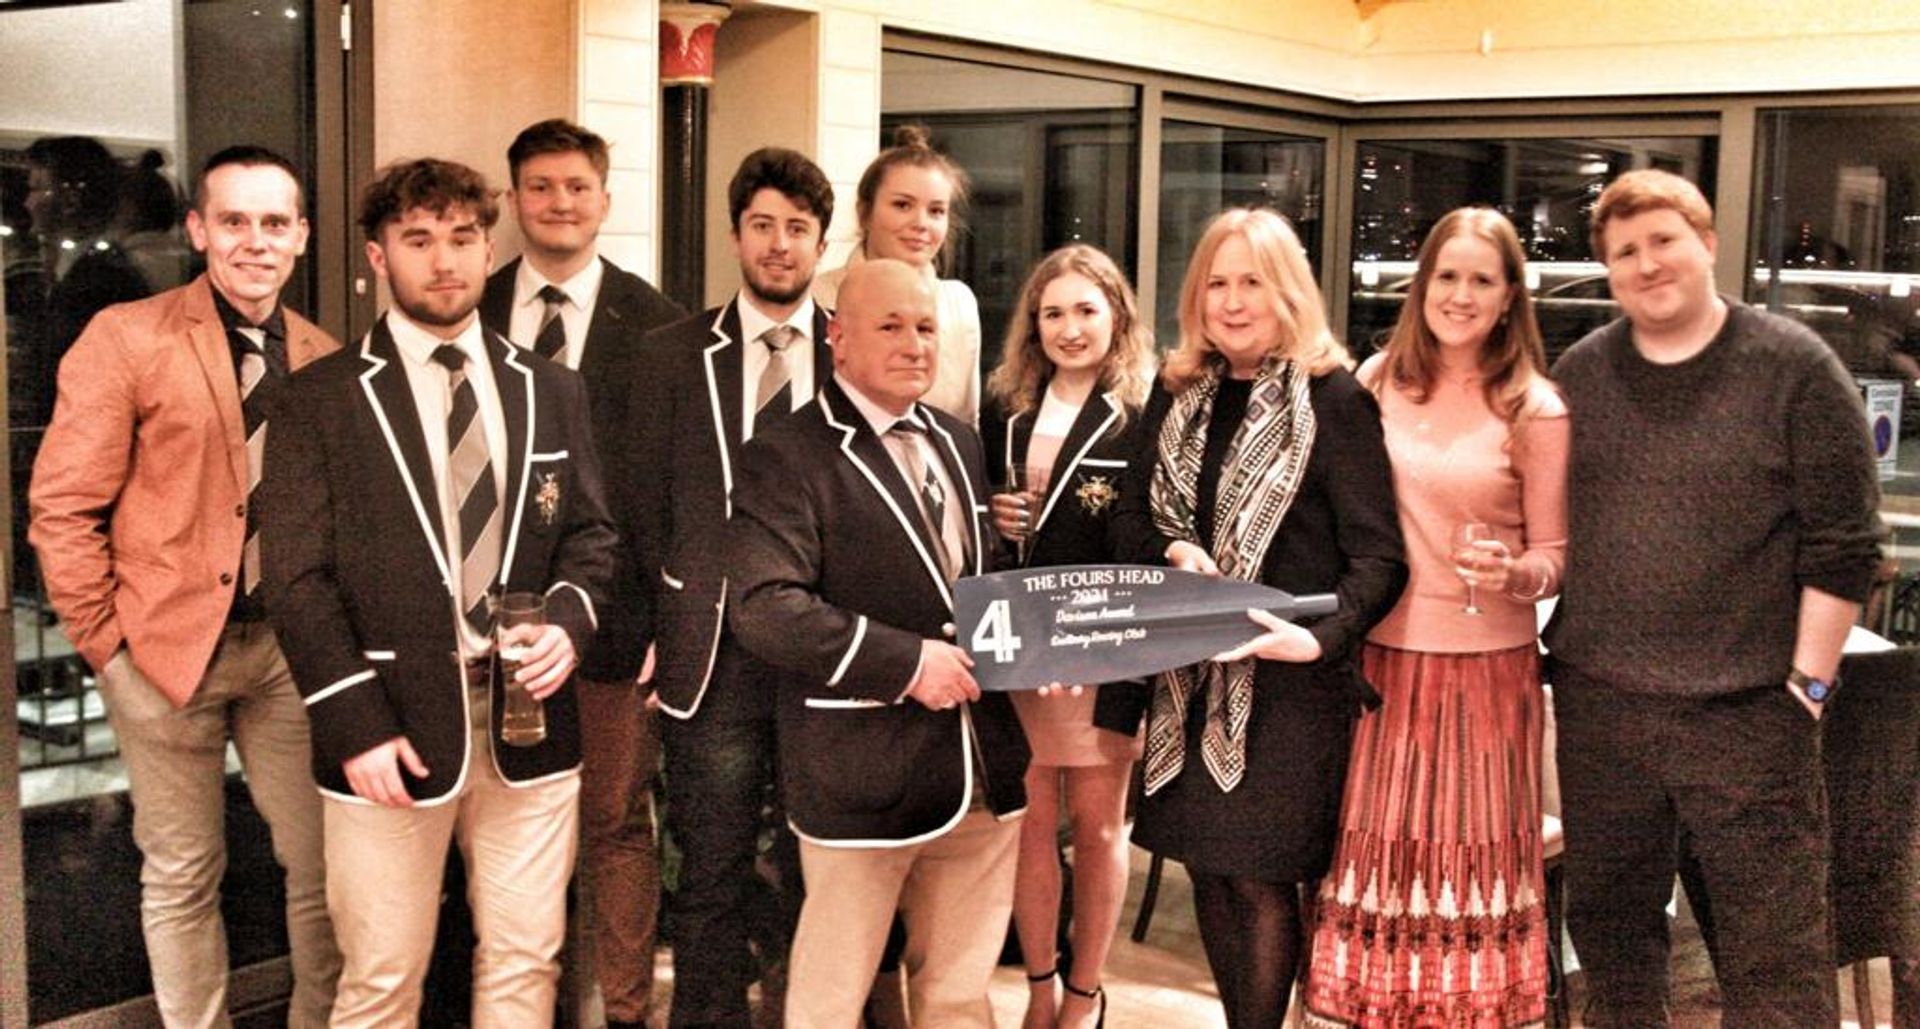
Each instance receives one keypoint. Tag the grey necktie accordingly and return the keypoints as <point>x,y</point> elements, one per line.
<point>773,396</point>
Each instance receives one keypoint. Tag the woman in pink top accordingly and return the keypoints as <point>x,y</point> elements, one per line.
<point>1433,912</point>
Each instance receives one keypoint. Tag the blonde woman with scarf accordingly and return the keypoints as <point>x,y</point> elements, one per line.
<point>1261,459</point>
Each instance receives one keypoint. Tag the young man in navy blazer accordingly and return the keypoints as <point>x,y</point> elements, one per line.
<point>413,479</point>
<point>728,374</point>
<point>563,300</point>
<point>903,781</point>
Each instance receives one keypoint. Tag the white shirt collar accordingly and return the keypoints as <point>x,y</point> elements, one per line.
<point>581,290</point>
<point>754,323</point>
<point>879,418</point>
<point>416,344</point>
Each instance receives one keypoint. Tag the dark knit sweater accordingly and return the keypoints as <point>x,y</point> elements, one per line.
<point>1701,497</point>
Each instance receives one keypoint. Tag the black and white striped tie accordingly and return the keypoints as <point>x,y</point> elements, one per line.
<point>470,483</point>
<point>552,338</point>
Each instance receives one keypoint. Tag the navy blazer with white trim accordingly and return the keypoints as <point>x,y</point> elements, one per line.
<point>834,582</point>
<point>357,580</point>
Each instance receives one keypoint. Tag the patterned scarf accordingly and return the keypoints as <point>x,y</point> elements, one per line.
<point>1259,478</point>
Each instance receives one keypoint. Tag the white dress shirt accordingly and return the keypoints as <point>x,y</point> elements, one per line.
<point>754,356</point>
<point>433,397</point>
<point>582,291</point>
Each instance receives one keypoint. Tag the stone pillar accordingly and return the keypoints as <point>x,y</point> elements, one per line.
<point>687,32</point>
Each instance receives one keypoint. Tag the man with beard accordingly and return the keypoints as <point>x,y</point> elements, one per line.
<point>724,376</point>
<point>564,301</point>
<point>416,478</point>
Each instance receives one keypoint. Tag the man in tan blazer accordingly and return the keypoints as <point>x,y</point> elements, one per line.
<point>142,515</point>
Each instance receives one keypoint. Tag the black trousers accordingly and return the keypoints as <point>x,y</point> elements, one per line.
<point>1739,777</point>
<point>731,902</point>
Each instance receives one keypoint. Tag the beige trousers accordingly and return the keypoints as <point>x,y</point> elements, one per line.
<point>384,869</point>
<point>176,760</point>
<point>955,894</point>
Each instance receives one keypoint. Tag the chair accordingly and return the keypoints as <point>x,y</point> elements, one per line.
<point>1870,747</point>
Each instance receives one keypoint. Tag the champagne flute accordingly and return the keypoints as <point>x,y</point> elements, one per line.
<point>517,621</point>
<point>1021,483</point>
<point>1467,537</point>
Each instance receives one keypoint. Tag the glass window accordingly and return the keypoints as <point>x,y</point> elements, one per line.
<point>97,158</point>
<point>1205,169</point>
<point>1053,159</point>
<point>1837,245</point>
<point>1546,186</point>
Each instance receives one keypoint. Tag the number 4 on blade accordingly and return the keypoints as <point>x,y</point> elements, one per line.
<point>995,633</point>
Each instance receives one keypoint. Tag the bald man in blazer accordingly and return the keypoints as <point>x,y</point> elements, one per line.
<point>903,781</point>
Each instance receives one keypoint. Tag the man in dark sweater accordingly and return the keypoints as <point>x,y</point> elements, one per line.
<point>1723,533</point>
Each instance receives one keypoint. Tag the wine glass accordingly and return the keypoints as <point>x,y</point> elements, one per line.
<point>1467,537</point>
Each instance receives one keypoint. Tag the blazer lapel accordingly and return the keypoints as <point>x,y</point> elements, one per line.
<point>875,463</point>
<point>391,398</point>
<point>964,485</point>
<point>822,349</point>
<point>514,380</point>
<point>496,303</point>
<point>605,329</point>
<point>1100,411</point>
<point>722,357</point>
<point>304,345</point>
<point>210,347</point>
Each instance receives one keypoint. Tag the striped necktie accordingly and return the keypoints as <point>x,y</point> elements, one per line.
<point>927,489</point>
<point>261,364</point>
<point>471,484</point>
<point>552,338</point>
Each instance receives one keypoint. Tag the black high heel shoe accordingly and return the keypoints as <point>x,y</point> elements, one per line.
<point>1097,994</point>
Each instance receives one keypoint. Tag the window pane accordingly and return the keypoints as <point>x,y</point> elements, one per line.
<point>1205,169</point>
<point>1053,160</point>
<point>1546,186</point>
<point>1837,245</point>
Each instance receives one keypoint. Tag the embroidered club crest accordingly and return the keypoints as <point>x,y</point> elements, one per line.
<point>1096,494</point>
<point>548,497</point>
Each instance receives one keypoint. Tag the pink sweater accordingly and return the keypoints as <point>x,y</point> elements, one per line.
<point>1452,464</point>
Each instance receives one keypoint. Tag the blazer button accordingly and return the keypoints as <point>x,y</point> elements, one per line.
<point>946,629</point>
<point>226,578</point>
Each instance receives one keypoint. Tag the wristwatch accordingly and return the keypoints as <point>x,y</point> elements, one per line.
<point>1817,690</point>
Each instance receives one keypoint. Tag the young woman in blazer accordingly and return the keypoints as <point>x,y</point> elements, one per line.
<point>1062,405</point>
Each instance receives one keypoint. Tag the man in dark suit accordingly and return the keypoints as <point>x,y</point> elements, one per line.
<point>561,299</point>
<point>722,376</point>
<point>902,780</point>
<point>413,479</point>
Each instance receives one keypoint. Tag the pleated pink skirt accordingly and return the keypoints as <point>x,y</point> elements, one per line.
<point>1433,913</point>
